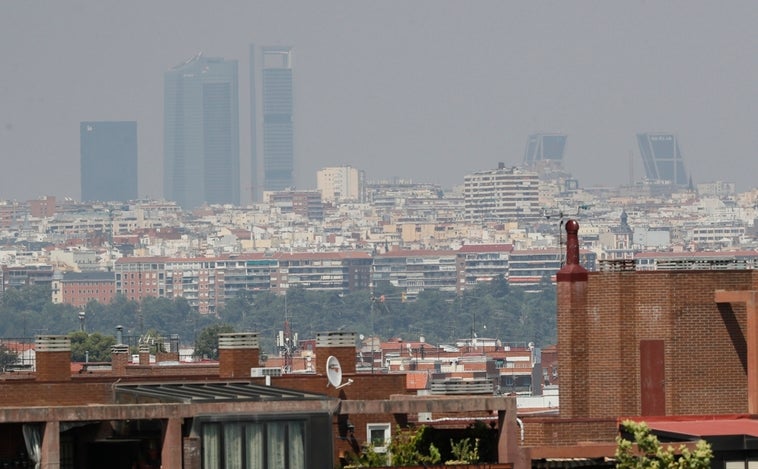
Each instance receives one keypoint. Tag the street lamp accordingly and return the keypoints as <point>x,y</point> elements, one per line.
<point>82,317</point>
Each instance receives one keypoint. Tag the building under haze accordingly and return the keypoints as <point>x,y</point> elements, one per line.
<point>544,149</point>
<point>108,160</point>
<point>341,184</point>
<point>201,132</point>
<point>662,158</point>
<point>278,135</point>
<point>501,194</point>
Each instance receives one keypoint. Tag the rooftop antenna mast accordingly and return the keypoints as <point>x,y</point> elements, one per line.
<point>286,340</point>
<point>560,215</point>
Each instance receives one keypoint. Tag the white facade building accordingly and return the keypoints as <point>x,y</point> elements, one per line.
<point>341,184</point>
<point>502,194</point>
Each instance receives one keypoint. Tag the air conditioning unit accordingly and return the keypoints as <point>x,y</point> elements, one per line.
<point>260,372</point>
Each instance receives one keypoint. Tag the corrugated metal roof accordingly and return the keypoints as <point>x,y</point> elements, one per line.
<point>212,392</point>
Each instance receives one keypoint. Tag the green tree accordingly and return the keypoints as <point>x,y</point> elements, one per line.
<point>206,344</point>
<point>647,452</point>
<point>95,347</point>
<point>410,447</point>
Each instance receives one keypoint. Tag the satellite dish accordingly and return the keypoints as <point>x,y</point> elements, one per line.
<point>334,373</point>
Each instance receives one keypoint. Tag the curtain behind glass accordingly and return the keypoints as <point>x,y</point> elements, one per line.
<point>297,445</point>
<point>276,444</point>
<point>211,443</point>
<point>255,450</point>
<point>233,446</point>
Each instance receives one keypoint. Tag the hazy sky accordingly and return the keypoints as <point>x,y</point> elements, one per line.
<point>430,90</point>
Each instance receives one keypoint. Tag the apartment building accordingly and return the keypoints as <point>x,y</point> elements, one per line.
<point>206,283</point>
<point>340,272</point>
<point>502,194</point>
<point>414,271</point>
<point>482,263</point>
<point>79,288</point>
<point>307,204</point>
<point>341,184</point>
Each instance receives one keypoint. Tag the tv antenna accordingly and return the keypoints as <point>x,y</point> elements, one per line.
<point>334,373</point>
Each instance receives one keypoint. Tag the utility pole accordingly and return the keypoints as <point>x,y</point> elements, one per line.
<point>371,314</point>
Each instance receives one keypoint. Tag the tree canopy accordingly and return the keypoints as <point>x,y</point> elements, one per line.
<point>493,310</point>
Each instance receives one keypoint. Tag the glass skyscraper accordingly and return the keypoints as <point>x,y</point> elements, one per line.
<point>278,138</point>
<point>543,148</point>
<point>108,160</point>
<point>201,133</point>
<point>662,158</point>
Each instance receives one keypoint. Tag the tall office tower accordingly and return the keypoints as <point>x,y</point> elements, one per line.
<point>108,160</point>
<point>501,194</point>
<point>544,149</point>
<point>201,133</point>
<point>341,184</point>
<point>277,97</point>
<point>662,158</point>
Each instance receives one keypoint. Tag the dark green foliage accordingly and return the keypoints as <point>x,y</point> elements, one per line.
<point>494,310</point>
<point>206,345</point>
<point>93,347</point>
<point>410,446</point>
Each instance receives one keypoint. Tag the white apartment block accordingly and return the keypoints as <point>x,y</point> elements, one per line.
<point>341,184</point>
<point>502,194</point>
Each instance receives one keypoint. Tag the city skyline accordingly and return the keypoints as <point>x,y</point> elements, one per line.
<point>429,90</point>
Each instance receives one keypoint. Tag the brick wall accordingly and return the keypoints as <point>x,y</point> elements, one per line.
<point>236,363</point>
<point>237,353</point>
<point>31,393</point>
<point>53,358</point>
<point>567,432</point>
<point>602,322</point>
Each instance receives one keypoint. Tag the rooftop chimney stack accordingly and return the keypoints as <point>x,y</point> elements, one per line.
<point>144,354</point>
<point>238,352</point>
<point>573,327</point>
<point>119,358</point>
<point>53,357</point>
<point>338,344</point>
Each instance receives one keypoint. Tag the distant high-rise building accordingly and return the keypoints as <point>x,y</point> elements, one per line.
<point>108,160</point>
<point>278,138</point>
<point>501,194</point>
<point>544,149</point>
<point>341,183</point>
<point>201,133</point>
<point>662,158</point>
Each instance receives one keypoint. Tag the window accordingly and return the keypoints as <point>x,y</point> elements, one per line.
<point>378,434</point>
<point>279,444</point>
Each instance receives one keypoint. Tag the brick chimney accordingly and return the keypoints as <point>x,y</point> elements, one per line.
<point>119,359</point>
<point>144,354</point>
<point>338,344</point>
<point>573,353</point>
<point>53,357</point>
<point>237,353</point>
